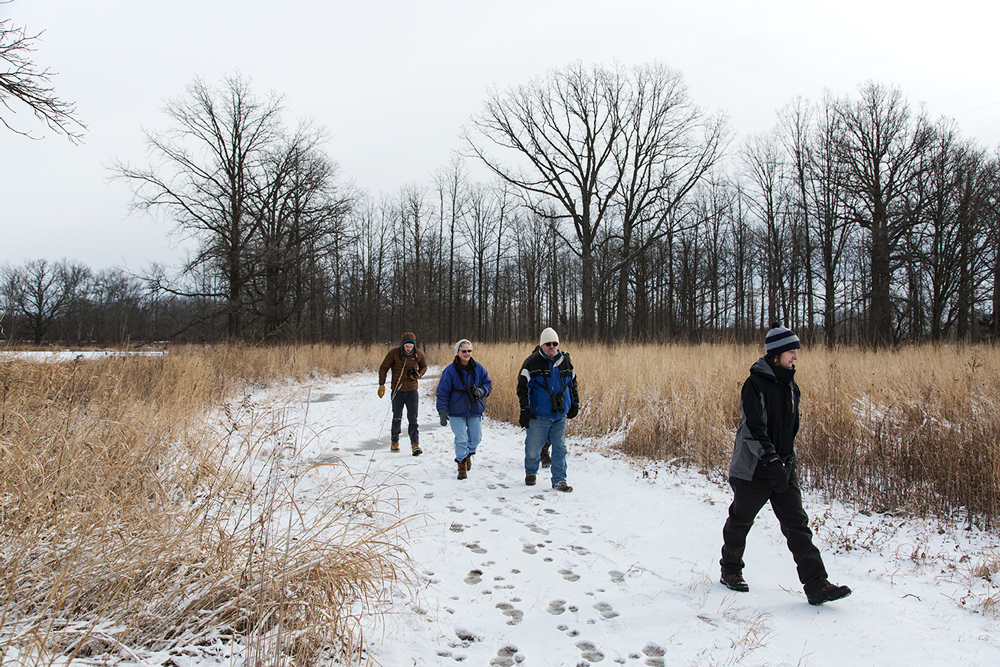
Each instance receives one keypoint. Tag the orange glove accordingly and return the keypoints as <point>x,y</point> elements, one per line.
<point>381,390</point>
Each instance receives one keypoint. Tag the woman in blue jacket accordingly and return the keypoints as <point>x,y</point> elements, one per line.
<point>460,393</point>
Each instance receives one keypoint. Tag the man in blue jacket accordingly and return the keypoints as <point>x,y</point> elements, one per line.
<point>547,392</point>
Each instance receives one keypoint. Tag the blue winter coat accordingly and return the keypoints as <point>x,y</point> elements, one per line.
<point>541,379</point>
<point>453,397</point>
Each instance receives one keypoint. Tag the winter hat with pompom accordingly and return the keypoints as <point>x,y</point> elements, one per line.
<point>780,339</point>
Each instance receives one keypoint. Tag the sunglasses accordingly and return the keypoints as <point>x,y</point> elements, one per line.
<point>465,351</point>
<point>551,344</point>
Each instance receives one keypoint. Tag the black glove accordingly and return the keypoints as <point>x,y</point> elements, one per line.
<point>526,417</point>
<point>775,471</point>
<point>573,409</point>
<point>413,374</point>
<point>444,419</point>
<point>477,392</point>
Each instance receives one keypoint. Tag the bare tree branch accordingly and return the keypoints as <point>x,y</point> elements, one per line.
<point>22,81</point>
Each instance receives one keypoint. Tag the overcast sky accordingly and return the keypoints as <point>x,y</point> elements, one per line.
<point>394,81</point>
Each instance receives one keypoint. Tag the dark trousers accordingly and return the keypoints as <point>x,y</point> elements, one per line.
<point>408,399</point>
<point>748,499</point>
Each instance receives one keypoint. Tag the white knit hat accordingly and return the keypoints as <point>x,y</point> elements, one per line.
<point>459,344</point>
<point>549,335</point>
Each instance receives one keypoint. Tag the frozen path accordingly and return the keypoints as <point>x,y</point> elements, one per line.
<point>624,570</point>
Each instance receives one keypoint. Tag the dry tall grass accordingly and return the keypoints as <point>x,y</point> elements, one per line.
<point>915,430</point>
<point>126,521</point>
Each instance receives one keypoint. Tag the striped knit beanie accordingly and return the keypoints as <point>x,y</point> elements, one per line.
<point>780,339</point>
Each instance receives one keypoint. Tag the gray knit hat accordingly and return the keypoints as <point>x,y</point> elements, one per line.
<point>779,339</point>
<point>459,344</point>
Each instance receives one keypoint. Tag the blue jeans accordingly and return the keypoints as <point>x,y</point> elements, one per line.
<point>468,432</point>
<point>540,431</point>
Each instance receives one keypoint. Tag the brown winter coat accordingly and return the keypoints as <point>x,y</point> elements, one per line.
<point>401,364</point>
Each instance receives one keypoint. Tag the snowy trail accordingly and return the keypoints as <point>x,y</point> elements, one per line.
<point>624,570</point>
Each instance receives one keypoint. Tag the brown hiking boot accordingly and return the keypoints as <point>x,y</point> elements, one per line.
<point>546,458</point>
<point>394,447</point>
<point>562,486</point>
<point>463,468</point>
<point>529,480</point>
<point>415,446</point>
<point>734,582</point>
<point>468,461</point>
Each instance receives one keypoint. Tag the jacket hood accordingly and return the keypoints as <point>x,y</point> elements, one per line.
<point>764,368</point>
<point>408,337</point>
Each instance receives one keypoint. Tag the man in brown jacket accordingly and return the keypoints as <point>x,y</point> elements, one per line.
<point>408,365</point>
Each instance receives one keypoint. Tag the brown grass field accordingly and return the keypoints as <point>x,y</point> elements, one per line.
<point>126,520</point>
<point>915,430</point>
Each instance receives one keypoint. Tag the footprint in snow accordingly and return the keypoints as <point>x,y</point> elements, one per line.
<point>654,650</point>
<point>549,510</point>
<point>456,528</point>
<point>586,529</point>
<point>606,610</point>
<point>568,575</point>
<point>474,577</point>
<point>557,607</point>
<point>616,576</point>
<point>588,651</point>
<point>535,529</point>
<point>475,548</point>
<point>529,549</point>
<point>428,496</point>
<point>581,551</point>
<point>506,657</point>
<point>467,636</point>
<point>508,609</point>
<point>457,510</point>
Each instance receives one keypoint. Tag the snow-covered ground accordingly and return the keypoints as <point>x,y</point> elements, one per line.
<point>624,570</point>
<point>56,356</point>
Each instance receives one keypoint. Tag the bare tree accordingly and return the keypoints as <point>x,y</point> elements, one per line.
<point>40,292</point>
<point>204,181</point>
<point>597,140</point>
<point>880,150</point>
<point>565,127</point>
<point>768,197</point>
<point>666,147</point>
<point>22,81</point>
<point>300,216</point>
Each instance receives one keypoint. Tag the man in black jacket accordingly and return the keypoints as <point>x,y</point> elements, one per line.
<point>763,469</point>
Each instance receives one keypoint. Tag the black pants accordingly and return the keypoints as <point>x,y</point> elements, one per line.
<point>409,399</point>
<point>748,499</point>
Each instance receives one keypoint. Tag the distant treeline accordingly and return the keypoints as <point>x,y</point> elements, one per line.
<point>620,212</point>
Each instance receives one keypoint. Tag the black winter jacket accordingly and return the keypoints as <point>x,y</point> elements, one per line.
<point>769,404</point>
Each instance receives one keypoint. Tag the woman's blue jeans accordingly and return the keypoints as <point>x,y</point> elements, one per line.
<point>468,432</point>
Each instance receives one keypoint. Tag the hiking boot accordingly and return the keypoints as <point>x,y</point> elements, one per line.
<point>562,486</point>
<point>415,446</point>
<point>546,459</point>
<point>734,582</point>
<point>468,461</point>
<point>394,447</point>
<point>529,480</point>
<point>827,592</point>
<point>463,468</point>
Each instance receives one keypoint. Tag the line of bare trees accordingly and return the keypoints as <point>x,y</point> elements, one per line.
<point>618,211</point>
